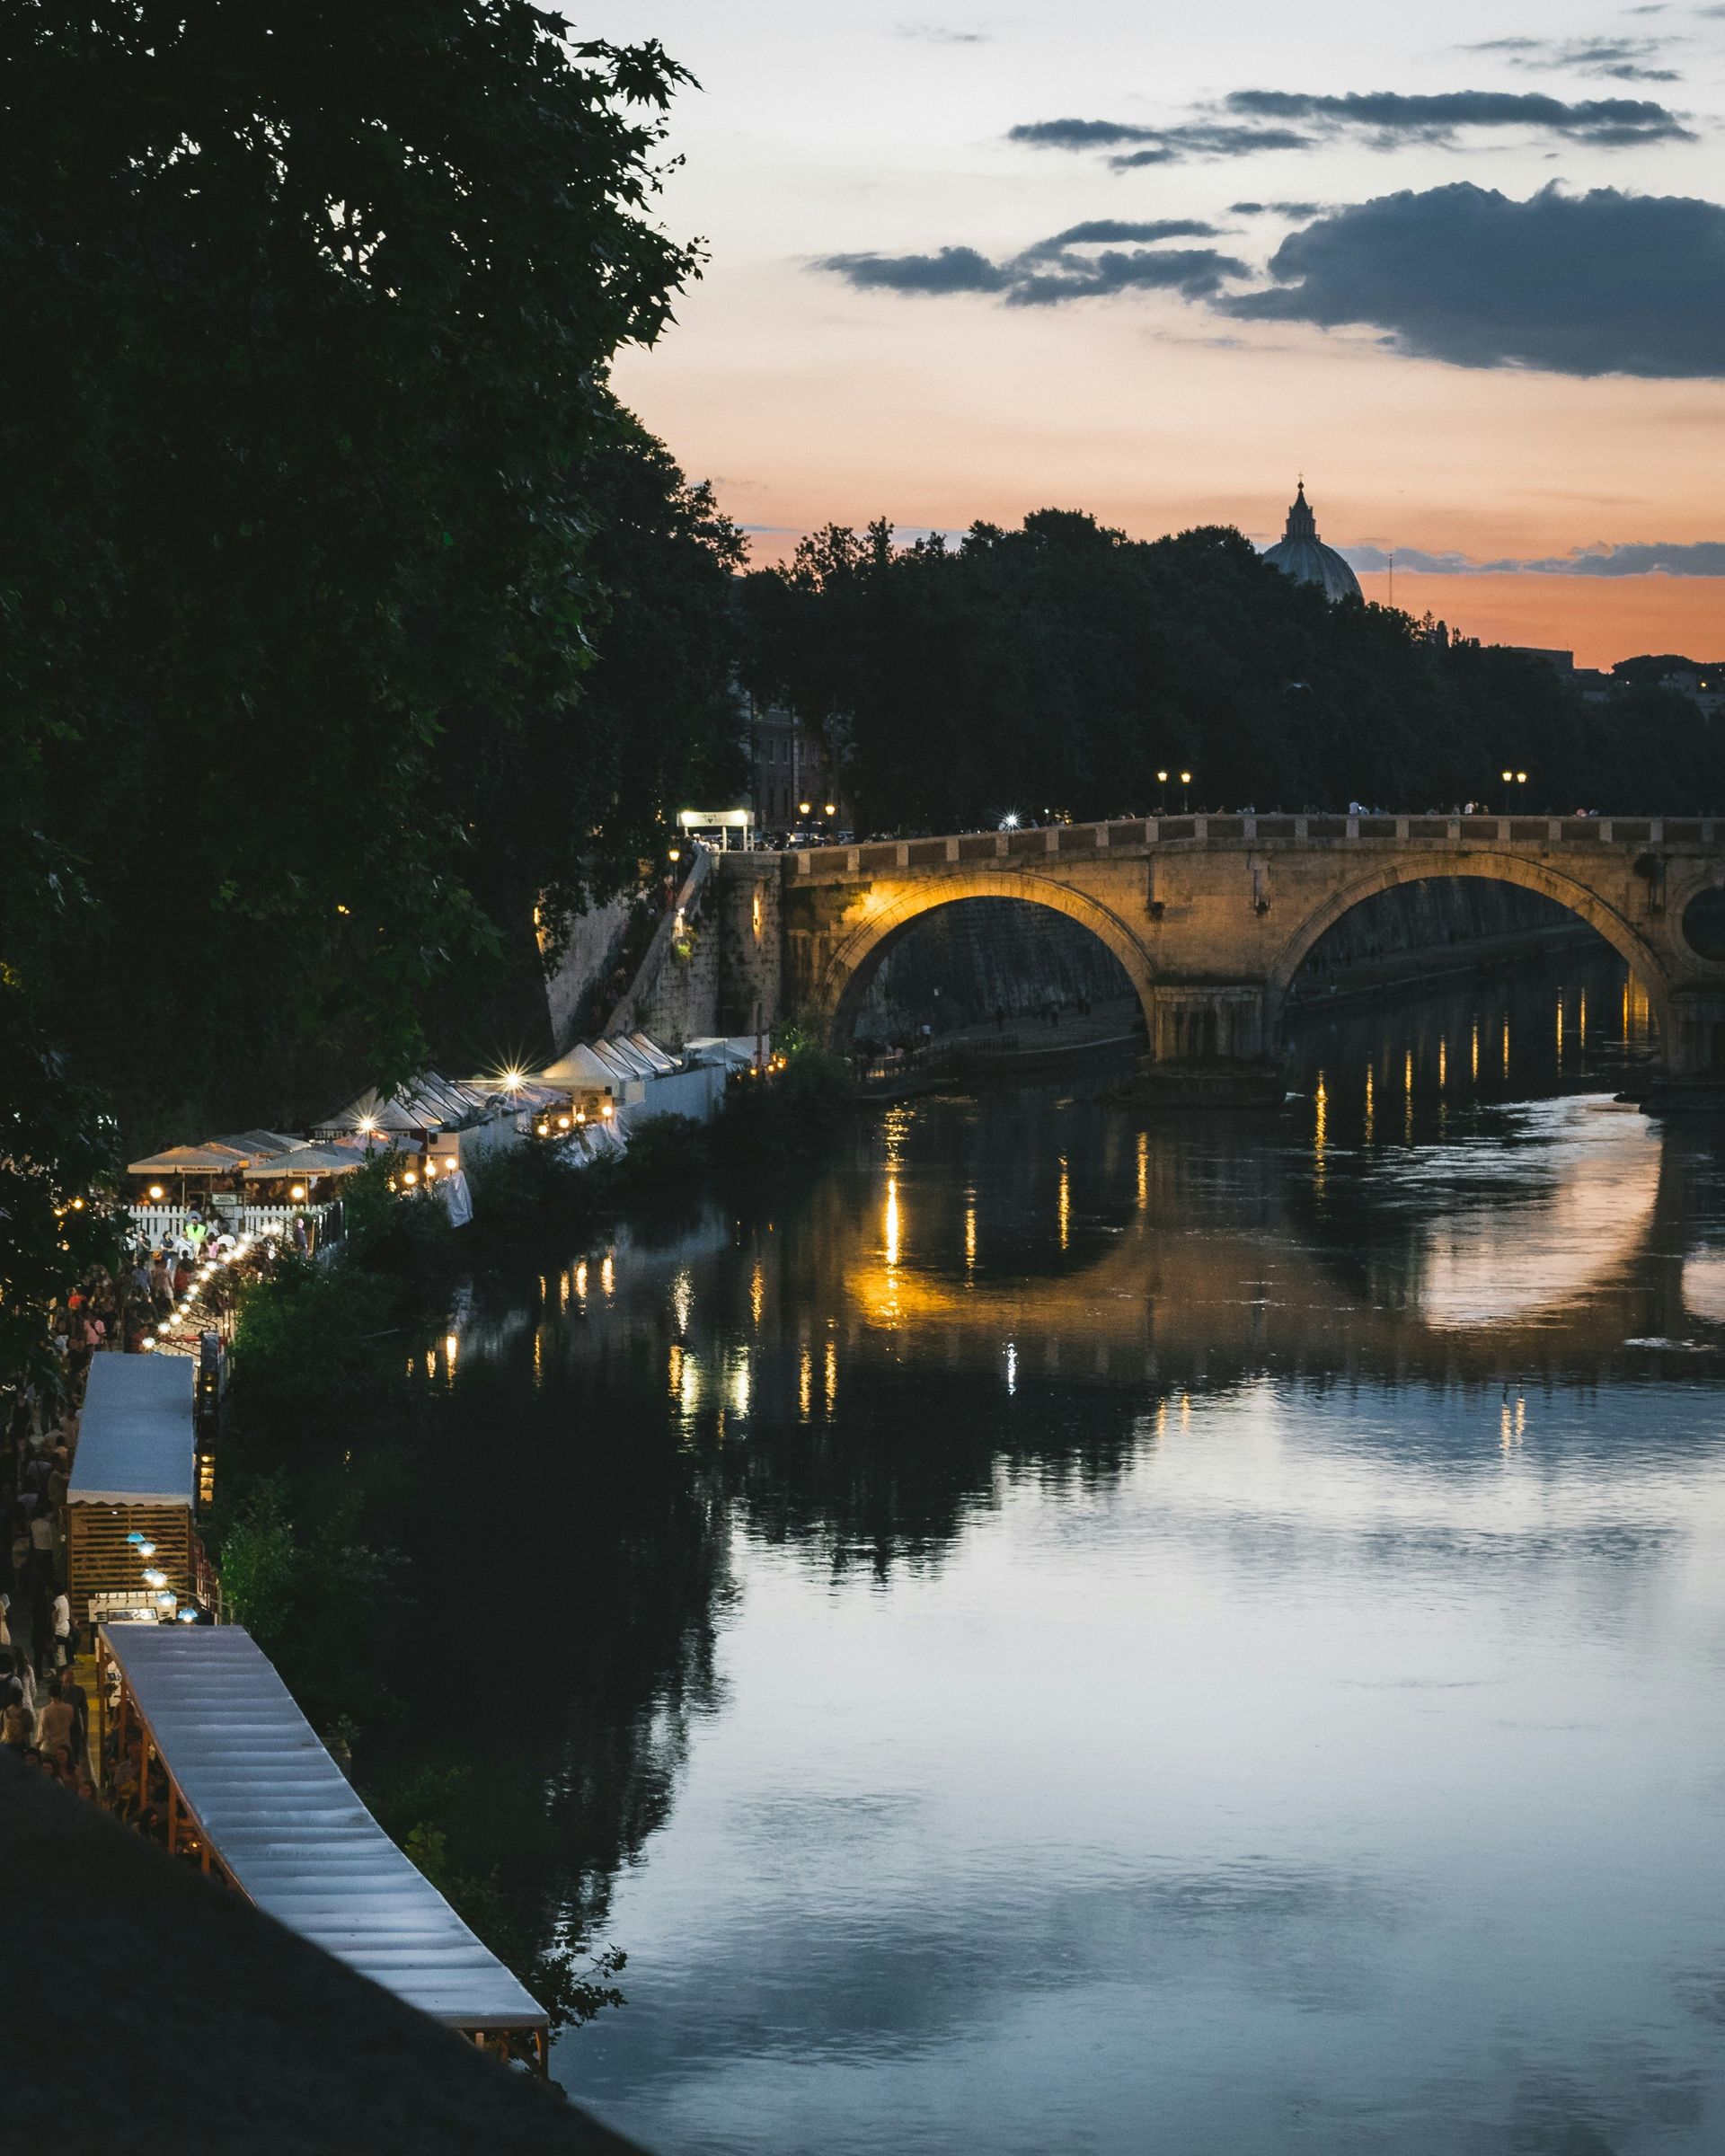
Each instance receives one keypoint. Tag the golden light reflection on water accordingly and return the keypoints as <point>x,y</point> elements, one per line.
<point>1443,1061</point>
<point>608,1275</point>
<point>832,1376</point>
<point>756,1294</point>
<point>1371,1112</point>
<point>971,1233</point>
<point>1144,1170</point>
<point>1320,1136</point>
<point>1066,1203</point>
<point>805,1385</point>
<point>1475,1072</point>
<point>580,1280</point>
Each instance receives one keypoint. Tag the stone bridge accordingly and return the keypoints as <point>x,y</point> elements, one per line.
<point>1211,917</point>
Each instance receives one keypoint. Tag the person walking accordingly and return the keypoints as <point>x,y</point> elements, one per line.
<point>54,1725</point>
<point>64,1641</point>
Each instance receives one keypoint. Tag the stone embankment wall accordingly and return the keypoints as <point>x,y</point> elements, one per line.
<point>594,941</point>
<point>1438,926</point>
<point>722,975</point>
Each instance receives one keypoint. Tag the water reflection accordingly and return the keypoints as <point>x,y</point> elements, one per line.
<point>1075,1631</point>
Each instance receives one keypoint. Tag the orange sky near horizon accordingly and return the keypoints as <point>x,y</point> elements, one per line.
<point>1600,619</point>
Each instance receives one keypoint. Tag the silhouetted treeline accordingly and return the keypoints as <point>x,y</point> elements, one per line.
<point>1058,667</point>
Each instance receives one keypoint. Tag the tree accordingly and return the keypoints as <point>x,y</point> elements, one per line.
<point>55,1148</point>
<point>1056,670</point>
<point>309,309</point>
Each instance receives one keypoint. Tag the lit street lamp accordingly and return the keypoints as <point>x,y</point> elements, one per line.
<point>1185,793</point>
<point>1162,800</point>
<point>1516,779</point>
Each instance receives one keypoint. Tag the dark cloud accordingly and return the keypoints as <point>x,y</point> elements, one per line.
<point>1390,116</point>
<point>1693,558</point>
<point>1086,261</point>
<point>951,270</point>
<point>1100,231</point>
<point>1597,283</point>
<point>1249,121</point>
<point>1175,145</point>
<point>1301,210</point>
<point>1622,59</point>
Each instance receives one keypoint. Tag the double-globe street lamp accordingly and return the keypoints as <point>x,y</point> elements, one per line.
<point>1513,779</point>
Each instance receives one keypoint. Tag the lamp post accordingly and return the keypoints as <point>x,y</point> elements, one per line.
<point>1161,799</point>
<point>1185,793</point>
<point>1516,779</point>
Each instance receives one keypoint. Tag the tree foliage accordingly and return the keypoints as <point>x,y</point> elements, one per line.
<point>1056,668</point>
<point>311,472</point>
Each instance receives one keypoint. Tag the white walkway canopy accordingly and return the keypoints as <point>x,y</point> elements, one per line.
<point>136,1436</point>
<point>286,1827</point>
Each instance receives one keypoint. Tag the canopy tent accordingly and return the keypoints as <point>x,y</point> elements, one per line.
<point>136,1436</point>
<point>133,1474</point>
<point>734,1051</point>
<point>259,1144</point>
<point>609,1061</point>
<point>654,1053</point>
<point>214,1157</point>
<point>306,1160</point>
<point>580,1064</point>
<point>275,1814</point>
<point>429,1102</point>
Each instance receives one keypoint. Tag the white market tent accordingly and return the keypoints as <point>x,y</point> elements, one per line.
<point>133,1473</point>
<point>272,1811</point>
<point>305,1161</point>
<point>135,1439</point>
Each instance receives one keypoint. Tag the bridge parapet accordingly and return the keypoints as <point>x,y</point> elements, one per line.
<point>1139,835</point>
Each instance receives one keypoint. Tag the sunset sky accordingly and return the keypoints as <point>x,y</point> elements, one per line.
<point>967,262</point>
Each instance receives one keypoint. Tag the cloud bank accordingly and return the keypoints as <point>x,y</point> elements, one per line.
<point>1249,121</point>
<point>1620,59</point>
<point>1604,282</point>
<point>1596,283</point>
<point>1086,261</point>
<point>1696,558</point>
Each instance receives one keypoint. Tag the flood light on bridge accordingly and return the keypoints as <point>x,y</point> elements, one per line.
<point>1009,822</point>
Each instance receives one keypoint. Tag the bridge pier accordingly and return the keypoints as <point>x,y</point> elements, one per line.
<point>1206,1021</point>
<point>1694,1033</point>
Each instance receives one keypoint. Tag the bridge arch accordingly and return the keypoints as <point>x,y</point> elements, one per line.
<point>845,979</point>
<point>1642,958</point>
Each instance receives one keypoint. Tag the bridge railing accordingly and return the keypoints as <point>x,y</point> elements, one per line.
<point>1070,841</point>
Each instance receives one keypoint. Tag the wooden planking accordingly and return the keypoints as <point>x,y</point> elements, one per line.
<point>99,1560</point>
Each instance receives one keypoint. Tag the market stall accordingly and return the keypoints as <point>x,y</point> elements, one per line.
<point>130,1500</point>
<point>253,1796</point>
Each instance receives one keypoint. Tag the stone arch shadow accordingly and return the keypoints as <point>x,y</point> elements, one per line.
<point>845,981</point>
<point>1642,959</point>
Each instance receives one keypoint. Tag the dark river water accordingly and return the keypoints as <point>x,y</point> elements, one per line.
<point>1073,1630</point>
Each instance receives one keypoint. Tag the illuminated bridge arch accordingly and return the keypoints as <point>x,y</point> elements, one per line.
<point>851,966</point>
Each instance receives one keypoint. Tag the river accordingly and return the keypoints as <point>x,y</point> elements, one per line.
<point>1068,1630</point>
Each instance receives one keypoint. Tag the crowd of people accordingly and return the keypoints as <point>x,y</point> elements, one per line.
<point>121,1310</point>
<point>44,1712</point>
